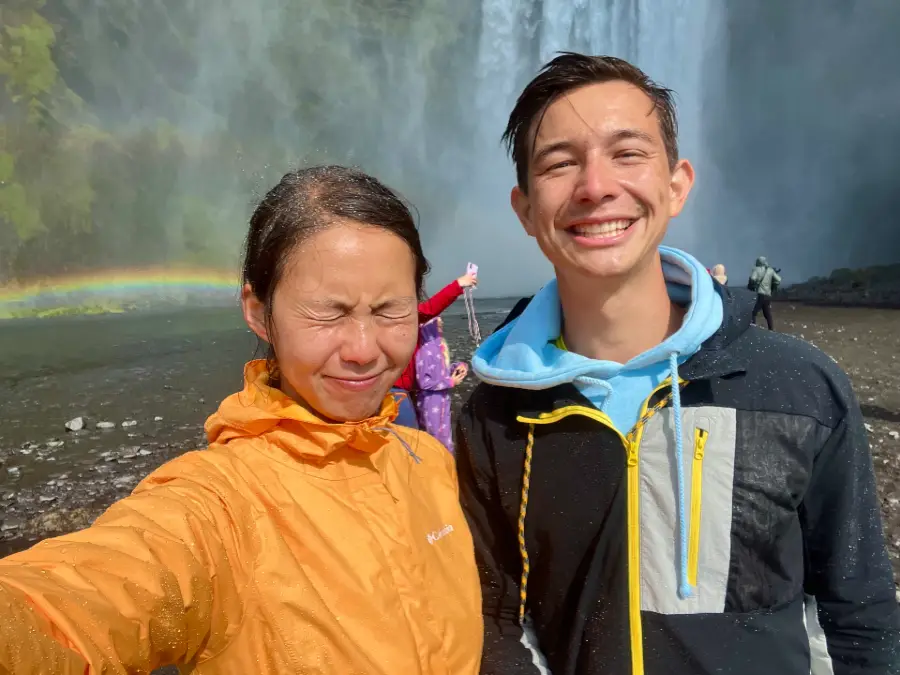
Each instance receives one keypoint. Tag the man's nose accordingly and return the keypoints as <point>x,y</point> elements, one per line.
<point>596,182</point>
<point>359,344</point>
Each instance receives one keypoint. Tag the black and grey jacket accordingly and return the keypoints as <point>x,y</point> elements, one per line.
<point>785,549</point>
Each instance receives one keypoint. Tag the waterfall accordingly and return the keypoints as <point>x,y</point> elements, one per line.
<point>674,42</point>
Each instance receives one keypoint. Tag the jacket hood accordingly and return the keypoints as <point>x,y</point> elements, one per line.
<point>431,331</point>
<point>261,411</point>
<point>761,261</point>
<point>523,354</point>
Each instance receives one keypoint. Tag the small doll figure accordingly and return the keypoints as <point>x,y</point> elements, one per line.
<point>435,377</point>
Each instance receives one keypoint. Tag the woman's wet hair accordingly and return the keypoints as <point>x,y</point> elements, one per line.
<point>308,201</point>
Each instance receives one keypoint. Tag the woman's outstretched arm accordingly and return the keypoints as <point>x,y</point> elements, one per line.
<point>150,583</point>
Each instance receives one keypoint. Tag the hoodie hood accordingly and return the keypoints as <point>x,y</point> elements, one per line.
<point>523,354</point>
<point>261,411</point>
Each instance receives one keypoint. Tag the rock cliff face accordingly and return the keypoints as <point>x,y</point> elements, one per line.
<point>867,287</point>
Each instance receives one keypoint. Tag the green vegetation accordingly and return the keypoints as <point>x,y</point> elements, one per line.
<point>73,310</point>
<point>137,132</point>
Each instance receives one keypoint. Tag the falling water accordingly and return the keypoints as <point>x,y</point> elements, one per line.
<point>674,42</point>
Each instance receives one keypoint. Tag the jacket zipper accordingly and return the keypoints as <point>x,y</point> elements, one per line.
<point>700,437</point>
<point>632,460</point>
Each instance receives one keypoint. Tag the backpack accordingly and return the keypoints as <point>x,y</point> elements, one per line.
<point>753,284</point>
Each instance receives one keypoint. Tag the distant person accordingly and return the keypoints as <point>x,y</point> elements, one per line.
<point>435,378</point>
<point>314,535</point>
<point>428,310</point>
<point>718,273</point>
<point>655,488</point>
<point>764,281</point>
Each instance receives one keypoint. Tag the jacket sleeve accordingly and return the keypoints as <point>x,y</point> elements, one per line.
<point>149,584</point>
<point>848,569</point>
<point>495,549</point>
<point>440,301</point>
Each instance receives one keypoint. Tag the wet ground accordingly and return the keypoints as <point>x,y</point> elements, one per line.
<point>866,342</point>
<point>156,377</point>
<point>148,380</point>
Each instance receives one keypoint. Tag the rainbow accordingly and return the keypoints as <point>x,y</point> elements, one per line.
<point>121,283</point>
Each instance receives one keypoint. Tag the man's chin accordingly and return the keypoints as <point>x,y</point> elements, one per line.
<point>604,265</point>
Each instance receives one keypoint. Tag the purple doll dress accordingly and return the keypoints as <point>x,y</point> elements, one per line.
<point>433,382</point>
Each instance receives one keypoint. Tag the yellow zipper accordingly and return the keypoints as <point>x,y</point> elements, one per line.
<point>700,437</point>
<point>632,449</point>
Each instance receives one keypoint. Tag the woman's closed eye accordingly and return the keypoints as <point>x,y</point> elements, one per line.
<point>393,316</point>
<point>394,310</point>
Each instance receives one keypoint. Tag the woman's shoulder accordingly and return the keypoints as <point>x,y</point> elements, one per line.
<point>216,468</point>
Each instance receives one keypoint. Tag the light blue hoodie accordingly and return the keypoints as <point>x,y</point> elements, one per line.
<point>523,355</point>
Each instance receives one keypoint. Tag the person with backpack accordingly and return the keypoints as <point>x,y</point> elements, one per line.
<point>764,281</point>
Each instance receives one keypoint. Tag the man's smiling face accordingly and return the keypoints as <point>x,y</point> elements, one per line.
<point>601,189</point>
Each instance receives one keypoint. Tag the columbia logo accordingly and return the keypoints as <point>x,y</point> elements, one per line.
<point>440,534</point>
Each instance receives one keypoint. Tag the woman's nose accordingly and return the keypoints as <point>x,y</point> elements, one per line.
<point>358,343</point>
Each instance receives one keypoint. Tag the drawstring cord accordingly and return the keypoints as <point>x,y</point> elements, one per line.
<point>523,508</point>
<point>685,590</point>
<point>409,450</point>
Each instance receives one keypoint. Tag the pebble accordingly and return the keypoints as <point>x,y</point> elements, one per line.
<point>124,481</point>
<point>76,424</point>
<point>106,425</point>
<point>129,423</point>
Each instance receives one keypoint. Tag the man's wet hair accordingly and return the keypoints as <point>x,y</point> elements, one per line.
<point>570,71</point>
<point>310,200</point>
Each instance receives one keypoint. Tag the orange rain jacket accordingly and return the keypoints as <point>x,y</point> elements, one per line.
<point>290,545</point>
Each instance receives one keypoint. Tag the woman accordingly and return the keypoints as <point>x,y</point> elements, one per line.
<point>313,535</point>
<point>428,310</point>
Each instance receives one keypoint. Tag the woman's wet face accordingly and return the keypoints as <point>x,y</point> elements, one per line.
<point>344,319</point>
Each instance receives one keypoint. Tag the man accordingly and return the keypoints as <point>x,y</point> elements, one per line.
<point>764,281</point>
<point>623,526</point>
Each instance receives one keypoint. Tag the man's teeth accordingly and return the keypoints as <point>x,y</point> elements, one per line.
<point>607,229</point>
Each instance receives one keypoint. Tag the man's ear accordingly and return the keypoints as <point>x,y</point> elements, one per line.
<point>522,206</point>
<point>254,313</point>
<point>680,186</point>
